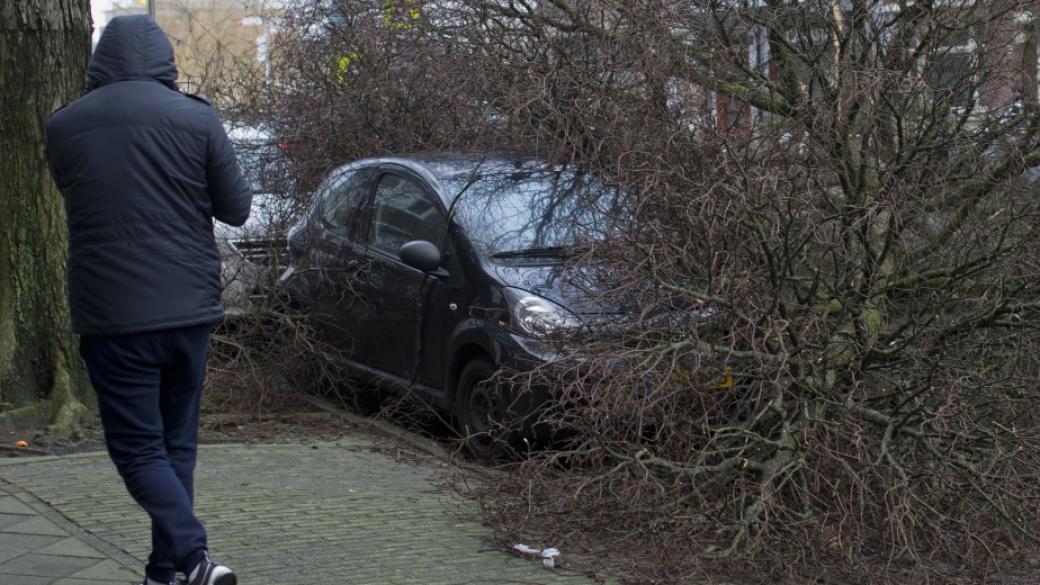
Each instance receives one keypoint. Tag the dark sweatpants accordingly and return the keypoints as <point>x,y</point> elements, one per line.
<point>149,387</point>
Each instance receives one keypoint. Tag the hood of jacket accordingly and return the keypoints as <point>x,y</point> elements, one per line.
<point>132,47</point>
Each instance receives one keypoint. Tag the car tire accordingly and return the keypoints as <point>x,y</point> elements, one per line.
<point>481,412</point>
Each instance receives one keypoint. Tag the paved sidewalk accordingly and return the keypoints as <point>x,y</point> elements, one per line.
<point>37,551</point>
<point>338,513</point>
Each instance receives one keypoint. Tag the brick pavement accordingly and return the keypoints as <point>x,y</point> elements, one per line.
<point>339,513</point>
<point>44,549</point>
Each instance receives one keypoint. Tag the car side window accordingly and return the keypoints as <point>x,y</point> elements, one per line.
<point>403,211</point>
<point>342,200</point>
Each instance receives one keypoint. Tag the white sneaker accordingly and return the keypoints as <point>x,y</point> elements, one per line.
<point>210,573</point>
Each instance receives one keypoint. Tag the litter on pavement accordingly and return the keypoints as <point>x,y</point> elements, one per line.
<point>548,555</point>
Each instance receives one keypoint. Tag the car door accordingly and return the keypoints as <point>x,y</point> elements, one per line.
<point>338,259</point>
<point>445,305</point>
<point>403,208</point>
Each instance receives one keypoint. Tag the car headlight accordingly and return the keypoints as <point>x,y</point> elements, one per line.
<point>537,315</point>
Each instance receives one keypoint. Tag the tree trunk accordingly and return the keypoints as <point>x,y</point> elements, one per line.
<point>44,48</point>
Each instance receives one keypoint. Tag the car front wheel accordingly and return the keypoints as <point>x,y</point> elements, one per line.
<point>481,409</point>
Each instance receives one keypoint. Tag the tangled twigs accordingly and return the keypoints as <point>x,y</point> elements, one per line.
<point>811,330</point>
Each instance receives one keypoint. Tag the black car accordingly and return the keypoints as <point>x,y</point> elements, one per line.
<point>434,271</point>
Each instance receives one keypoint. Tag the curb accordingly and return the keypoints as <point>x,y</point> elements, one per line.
<point>383,428</point>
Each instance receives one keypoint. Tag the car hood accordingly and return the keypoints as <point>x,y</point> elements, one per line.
<point>573,288</point>
<point>561,283</point>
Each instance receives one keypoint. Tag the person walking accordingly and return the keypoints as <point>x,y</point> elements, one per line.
<point>144,170</point>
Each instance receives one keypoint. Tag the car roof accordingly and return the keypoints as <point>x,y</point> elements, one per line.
<point>439,167</point>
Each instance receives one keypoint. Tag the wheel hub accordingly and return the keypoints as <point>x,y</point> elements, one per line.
<point>484,409</point>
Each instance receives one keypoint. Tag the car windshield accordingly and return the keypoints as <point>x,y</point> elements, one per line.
<point>531,211</point>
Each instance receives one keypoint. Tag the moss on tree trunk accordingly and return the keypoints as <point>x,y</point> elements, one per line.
<point>44,48</point>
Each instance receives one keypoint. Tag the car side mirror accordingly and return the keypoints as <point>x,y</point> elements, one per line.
<point>422,255</point>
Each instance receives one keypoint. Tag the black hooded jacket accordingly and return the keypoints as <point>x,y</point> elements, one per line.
<point>144,170</point>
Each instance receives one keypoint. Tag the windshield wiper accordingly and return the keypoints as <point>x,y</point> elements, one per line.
<point>546,252</point>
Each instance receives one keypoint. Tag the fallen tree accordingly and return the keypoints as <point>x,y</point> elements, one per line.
<point>831,203</point>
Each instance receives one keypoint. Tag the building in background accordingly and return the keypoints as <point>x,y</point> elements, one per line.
<point>984,63</point>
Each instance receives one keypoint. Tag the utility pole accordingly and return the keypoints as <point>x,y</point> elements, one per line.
<point>151,8</point>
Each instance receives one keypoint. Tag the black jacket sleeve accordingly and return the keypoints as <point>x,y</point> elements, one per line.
<point>228,190</point>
